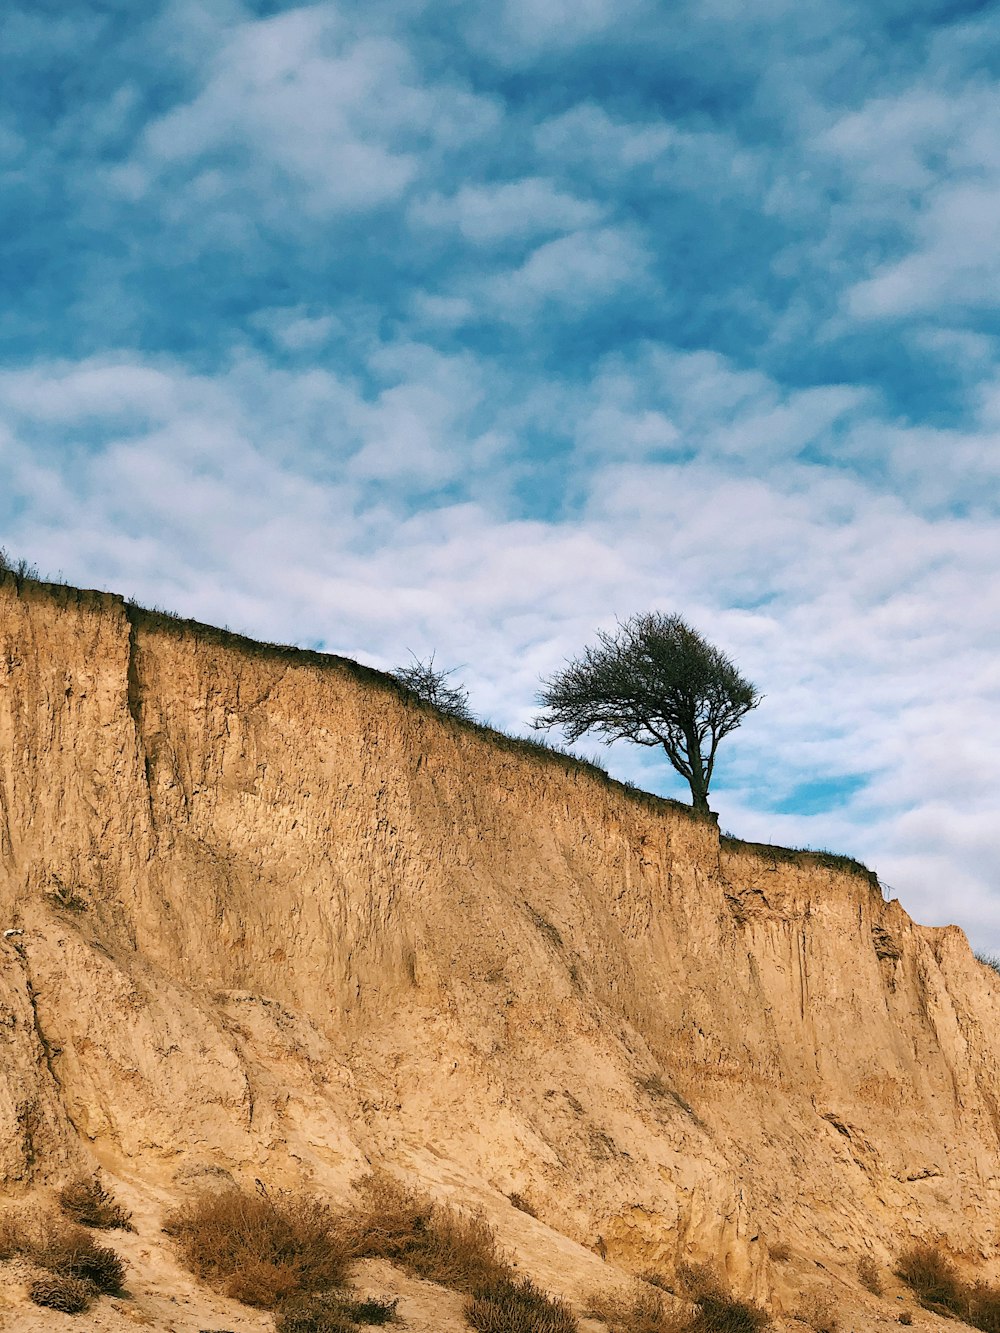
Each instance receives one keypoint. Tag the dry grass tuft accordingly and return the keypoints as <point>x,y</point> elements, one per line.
<point>264,1283</point>
<point>70,1295</point>
<point>644,1311</point>
<point>63,1249</point>
<point>428,1239</point>
<point>982,1307</point>
<point>932,1277</point>
<point>522,1205</point>
<point>260,1249</point>
<point>328,1313</point>
<point>718,1310</point>
<point>11,1235</point>
<point>819,1313</point>
<point>307,1314</point>
<point>85,1200</point>
<point>510,1306</point>
<point>869,1276</point>
<point>939,1287</point>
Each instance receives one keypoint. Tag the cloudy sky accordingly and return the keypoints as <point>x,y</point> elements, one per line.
<point>422,326</point>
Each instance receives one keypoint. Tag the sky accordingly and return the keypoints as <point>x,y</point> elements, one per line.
<point>402,327</point>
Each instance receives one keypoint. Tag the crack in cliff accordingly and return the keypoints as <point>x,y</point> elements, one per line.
<point>133,694</point>
<point>49,1052</point>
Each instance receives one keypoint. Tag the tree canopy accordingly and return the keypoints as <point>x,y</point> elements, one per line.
<point>656,682</point>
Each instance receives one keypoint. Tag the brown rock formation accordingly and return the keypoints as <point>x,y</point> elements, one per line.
<point>279,920</point>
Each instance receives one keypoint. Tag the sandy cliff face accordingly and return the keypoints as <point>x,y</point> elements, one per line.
<point>277,920</point>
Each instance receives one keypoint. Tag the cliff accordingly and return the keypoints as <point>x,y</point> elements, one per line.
<point>281,920</point>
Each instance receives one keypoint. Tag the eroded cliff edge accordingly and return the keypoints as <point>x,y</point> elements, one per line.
<point>279,920</point>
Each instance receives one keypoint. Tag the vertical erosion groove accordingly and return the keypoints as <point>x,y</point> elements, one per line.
<point>134,696</point>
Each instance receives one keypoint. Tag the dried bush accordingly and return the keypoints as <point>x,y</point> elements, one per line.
<point>509,1306</point>
<point>68,1294</point>
<point>85,1200</point>
<point>63,1249</point>
<point>718,1310</point>
<point>430,1240</point>
<point>982,1307</point>
<point>906,1318</point>
<point>12,1237</point>
<point>68,1250</point>
<point>869,1276</point>
<point>373,1310</point>
<point>819,1313</point>
<point>932,1277</point>
<point>264,1283</point>
<point>308,1314</point>
<point>780,1252</point>
<point>329,1313</point>
<point>260,1249</point>
<point>522,1205</point>
<point>643,1311</point>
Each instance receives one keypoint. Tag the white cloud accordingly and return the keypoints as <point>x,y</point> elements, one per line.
<point>573,272</point>
<point>586,134</point>
<point>296,329</point>
<point>517,32</point>
<point>927,163</point>
<point>306,116</point>
<point>510,211</point>
<point>955,262</point>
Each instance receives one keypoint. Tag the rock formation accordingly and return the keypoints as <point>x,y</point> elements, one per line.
<point>281,920</point>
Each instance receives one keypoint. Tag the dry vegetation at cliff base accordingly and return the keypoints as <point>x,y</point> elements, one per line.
<point>645,1310</point>
<point>69,1269</point>
<point>939,1287</point>
<point>291,1254</point>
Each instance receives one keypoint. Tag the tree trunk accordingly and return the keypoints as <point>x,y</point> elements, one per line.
<point>698,782</point>
<point>699,801</point>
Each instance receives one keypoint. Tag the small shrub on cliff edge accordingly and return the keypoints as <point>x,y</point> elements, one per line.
<point>868,1275</point>
<point>522,1205</point>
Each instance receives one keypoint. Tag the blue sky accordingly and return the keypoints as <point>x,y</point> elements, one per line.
<point>436,327</point>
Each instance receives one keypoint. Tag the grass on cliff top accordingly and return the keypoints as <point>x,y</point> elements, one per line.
<point>813,856</point>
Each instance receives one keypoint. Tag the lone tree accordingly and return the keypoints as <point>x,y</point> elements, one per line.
<point>655,682</point>
<point>431,684</point>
